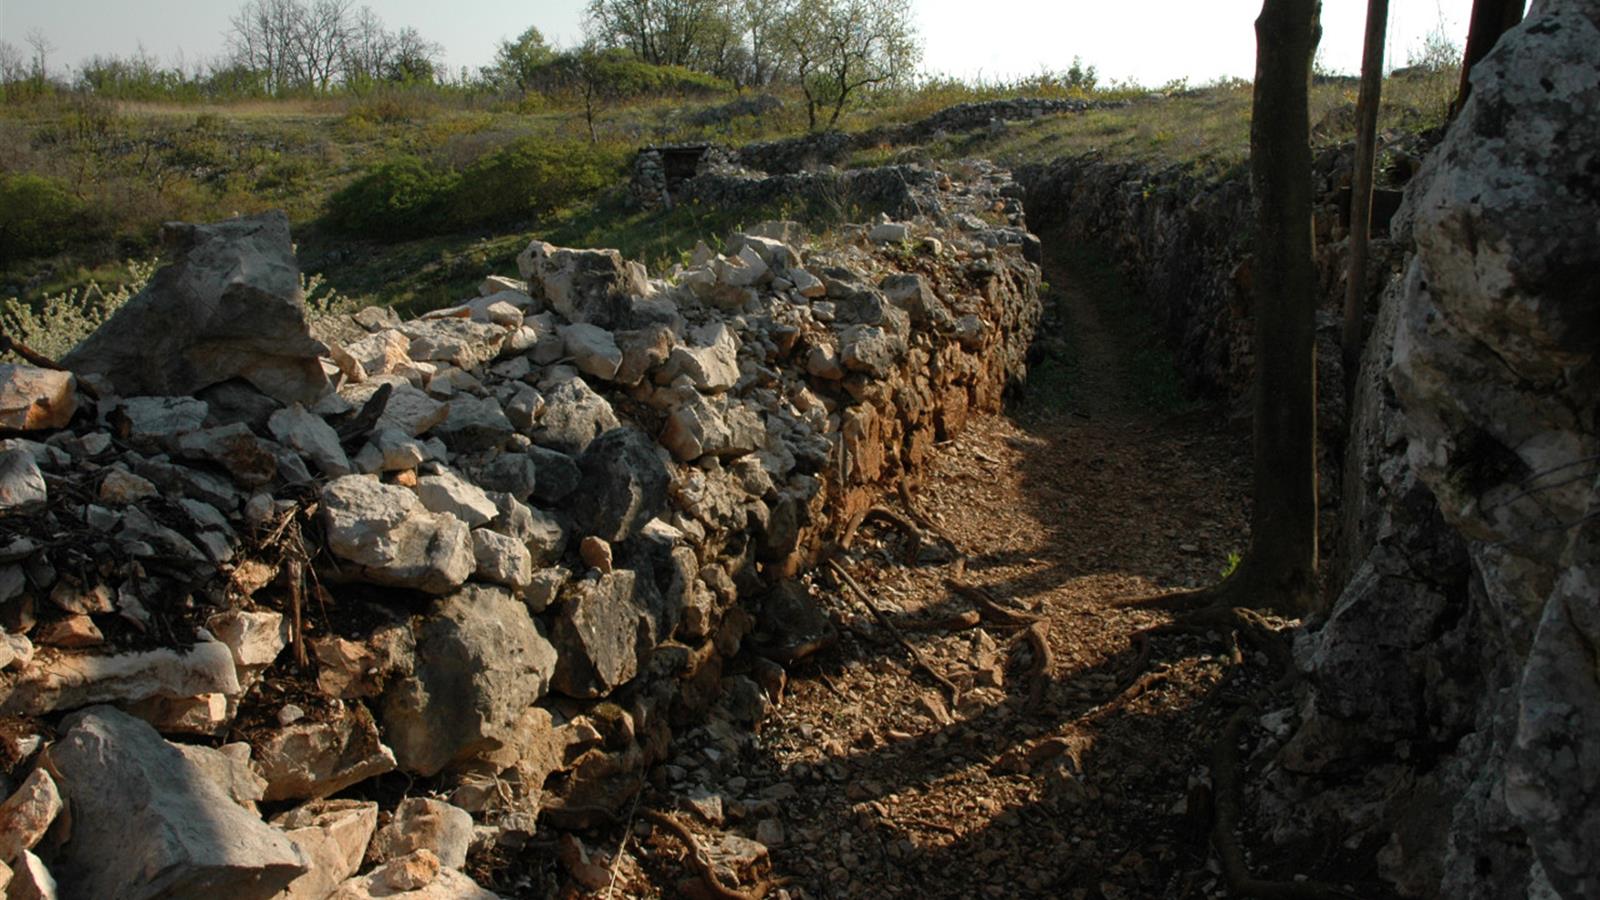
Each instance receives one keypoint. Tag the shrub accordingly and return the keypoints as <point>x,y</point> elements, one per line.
<point>38,216</point>
<point>396,199</point>
<point>59,321</point>
<point>531,178</point>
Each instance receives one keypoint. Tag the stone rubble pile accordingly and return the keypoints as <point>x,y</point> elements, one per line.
<point>503,549</point>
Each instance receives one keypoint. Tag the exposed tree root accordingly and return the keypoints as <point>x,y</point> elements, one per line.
<point>990,608</point>
<point>912,533</point>
<point>1037,637</point>
<point>1225,773</point>
<point>701,860</point>
<point>888,624</point>
<point>958,622</point>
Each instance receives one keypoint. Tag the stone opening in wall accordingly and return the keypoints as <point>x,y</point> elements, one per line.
<point>659,171</point>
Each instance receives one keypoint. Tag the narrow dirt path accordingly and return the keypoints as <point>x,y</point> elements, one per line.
<point>871,780</point>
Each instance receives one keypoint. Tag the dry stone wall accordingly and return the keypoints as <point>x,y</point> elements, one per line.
<point>505,548</point>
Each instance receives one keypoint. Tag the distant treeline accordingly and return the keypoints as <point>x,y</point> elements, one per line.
<point>831,51</point>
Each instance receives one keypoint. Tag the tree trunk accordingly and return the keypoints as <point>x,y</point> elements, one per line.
<point>1355,297</point>
<point>1490,19</point>
<point>1281,567</point>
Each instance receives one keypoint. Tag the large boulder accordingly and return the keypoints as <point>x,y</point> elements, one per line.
<point>1495,365</point>
<point>481,661</point>
<point>387,535</point>
<point>228,306</point>
<point>147,822</point>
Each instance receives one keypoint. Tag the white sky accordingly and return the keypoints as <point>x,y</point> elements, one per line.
<point>1149,41</point>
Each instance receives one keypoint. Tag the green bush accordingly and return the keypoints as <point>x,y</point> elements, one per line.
<point>531,178</point>
<point>397,199</point>
<point>38,216</point>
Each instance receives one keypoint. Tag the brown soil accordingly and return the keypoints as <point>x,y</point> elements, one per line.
<point>1089,781</point>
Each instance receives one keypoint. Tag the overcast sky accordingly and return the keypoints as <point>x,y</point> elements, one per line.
<point>1149,41</point>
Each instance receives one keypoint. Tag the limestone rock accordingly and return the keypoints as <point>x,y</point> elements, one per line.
<point>474,423</point>
<point>385,532</point>
<point>591,286</point>
<point>121,487</point>
<point>306,760</point>
<point>502,559</point>
<point>147,823</point>
<point>156,420</point>
<point>710,362</point>
<point>694,428</point>
<point>889,233</point>
<point>643,349</point>
<point>574,415</point>
<point>462,343</point>
<point>449,493</point>
<point>424,824</point>
<point>28,813</point>
<point>624,485</point>
<point>22,485</point>
<point>593,350</point>
<point>600,633</point>
<point>67,681</point>
<point>384,353</point>
<point>307,434</point>
<point>481,661</point>
<point>558,475</point>
<point>792,624</point>
<point>30,879</point>
<point>248,459</point>
<point>254,638</point>
<point>228,306</point>
<point>228,767</point>
<point>869,349</point>
<point>333,835</point>
<point>414,877</point>
<point>35,399</point>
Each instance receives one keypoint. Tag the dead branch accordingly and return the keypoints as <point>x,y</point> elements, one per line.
<point>888,624</point>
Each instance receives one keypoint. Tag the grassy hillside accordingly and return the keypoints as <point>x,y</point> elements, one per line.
<point>408,197</point>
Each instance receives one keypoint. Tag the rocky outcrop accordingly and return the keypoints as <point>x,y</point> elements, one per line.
<point>1454,703</point>
<point>504,548</point>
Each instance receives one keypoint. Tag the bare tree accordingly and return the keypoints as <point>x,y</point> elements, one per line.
<point>13,67</point>
<point>319,38</point>
<point>841,47</point>
<point>1361,187</point>
<point>262,39</point>
<point>659,32</point>
<point>42,47</point>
